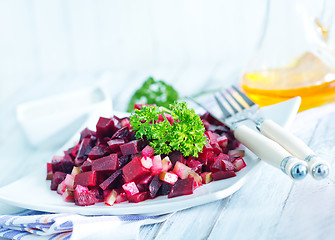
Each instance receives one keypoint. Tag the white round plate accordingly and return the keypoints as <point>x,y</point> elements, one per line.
<point>33,191</point>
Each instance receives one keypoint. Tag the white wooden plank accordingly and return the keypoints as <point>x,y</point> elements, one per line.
<point>307,213</point>
<point>253,212</point>
<point>193,223</point>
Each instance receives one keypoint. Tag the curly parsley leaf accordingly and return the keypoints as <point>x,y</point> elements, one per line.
<point>183,131</point>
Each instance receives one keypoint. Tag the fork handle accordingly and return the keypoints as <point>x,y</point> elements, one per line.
<point>317,167</point>
<point>271,152</point>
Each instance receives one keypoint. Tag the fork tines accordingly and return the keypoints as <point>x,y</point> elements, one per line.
<point>232,101</point>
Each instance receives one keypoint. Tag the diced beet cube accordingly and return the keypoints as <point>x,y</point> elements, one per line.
<point>236,153</point>
<point>148,151</point>
<point>134,171</point>
<point>207,147</point>
<point>223,175</point>
<point>61,187</point>
<point>143,187</point>
<point>131,135</point>
<point>68,196</point>
<point>227,165</point>
<point>222,157</point>
<point>121,197</point>
<point>232,142</point>
<point>205,123</point>
<point>86,179</point>
<point>86,133</point>
<point>166,164</point>
<point>85,148</point>
<point>111,198</point>
<point>105,127</point>
<point>239,164</point>
<point>168,177</point>
<point>69,182</point>
<point>195,165</point>
<point>111,180</point>
<point>182,187</point>
<point>206,157</point>
<point>75,171</point>
<point>154,186</point>
<point>181,170</point>
<point>57,178</point>
<point>125,121</point>
<point>49,171</point>
<point>146,180</point>
<point>216,166</point>
<point>114,144</point>
<point>197,179</point>
<point>139,197</point>
<point>107,192</point>
<point>165,188</point>
<point>74,150</point>
<point>123,160</point>
<point>206,177</point>
<point>97,152</point>
<point>87,166</point>
<point>67,164</point>
<point>83,196</point>
<point>176,156</point>
<point>130,188</point>
<point>222,141</point>
<point>99,194</point>
<point>157,166</point>
<point>63,164</point>
<point>216,148</point>
<point>146,162</point>
<point>121,133</point>
<point>211,136</point>
<point>131,147</point>
<point>106,164</point>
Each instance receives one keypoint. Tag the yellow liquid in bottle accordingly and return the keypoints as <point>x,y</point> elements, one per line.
<point>308,77</point>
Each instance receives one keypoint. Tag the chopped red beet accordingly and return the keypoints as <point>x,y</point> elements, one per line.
<point>97,151</point>
<point>57,178</point>
<point>106,164</point>
<point>139,197</point>
<point>131,147</point>
<point>114,144</point>
<point>134,171</point>
<point>223,175</point>
<point>182,187</point>
<point>111,165</point>
<point>105,127</point>
<point>85,179</point>
<point>83,196</point>
<point>111,180</point>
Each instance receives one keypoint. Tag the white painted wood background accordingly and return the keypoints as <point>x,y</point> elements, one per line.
<point>49,47</point>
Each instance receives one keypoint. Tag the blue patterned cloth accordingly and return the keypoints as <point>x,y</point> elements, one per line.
<point>30,224</point>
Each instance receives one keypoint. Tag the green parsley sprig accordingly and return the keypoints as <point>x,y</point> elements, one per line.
<point>153,92</point>
<point>185,133</point>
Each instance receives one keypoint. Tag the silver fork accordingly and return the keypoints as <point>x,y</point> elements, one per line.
<point>236,106</point>
<point>265,148</point>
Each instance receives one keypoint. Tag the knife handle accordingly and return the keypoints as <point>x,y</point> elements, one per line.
<point>317,167</point>
<point>271,152</point>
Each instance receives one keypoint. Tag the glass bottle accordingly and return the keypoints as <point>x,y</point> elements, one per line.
<point>291,60</point>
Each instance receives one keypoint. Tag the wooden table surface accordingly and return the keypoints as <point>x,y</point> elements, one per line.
<point>268,206</point>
